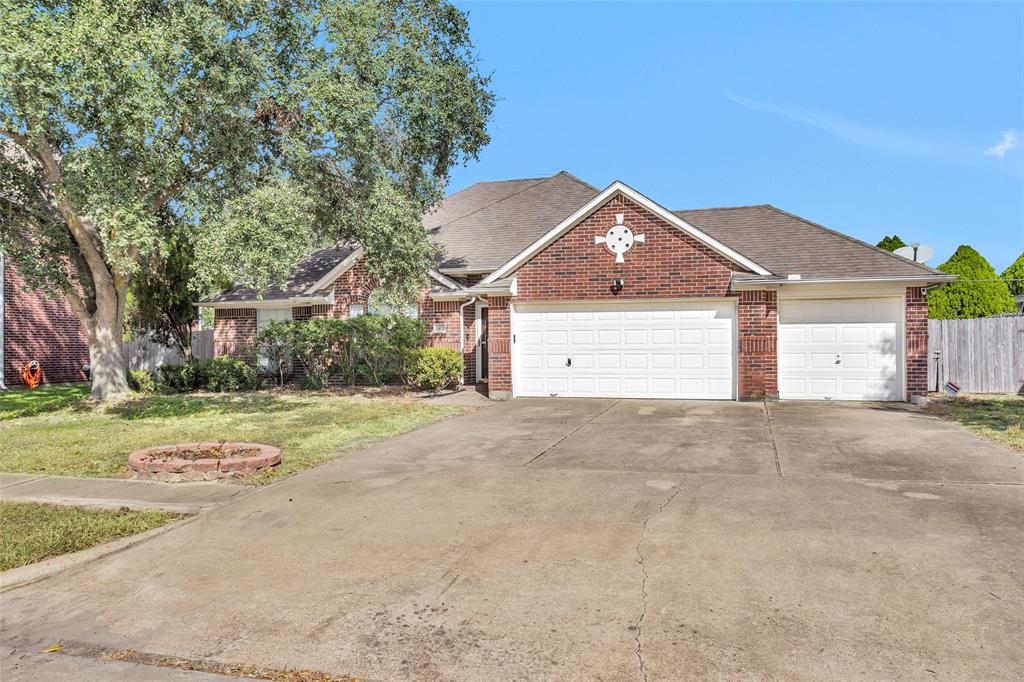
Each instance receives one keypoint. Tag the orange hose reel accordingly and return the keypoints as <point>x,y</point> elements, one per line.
<point>32,374</point>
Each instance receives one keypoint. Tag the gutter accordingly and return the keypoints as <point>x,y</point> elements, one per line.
<point>3,386</point>
<point>760,283</point>
<point>270,303</point>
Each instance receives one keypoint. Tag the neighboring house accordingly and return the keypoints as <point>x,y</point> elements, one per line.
<point>551,287</point>
<point>34,327</point>
<point>1019,298</point>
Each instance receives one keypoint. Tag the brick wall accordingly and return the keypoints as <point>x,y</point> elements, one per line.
<point>233,331</point>
<point>757,328</point>
<point>917,342</point>
<point>671,264</point>
<point>41,329</point>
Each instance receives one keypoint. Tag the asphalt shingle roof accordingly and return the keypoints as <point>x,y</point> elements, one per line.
<point>307,273</point>
<point>787,244</point>
<point>483,226</point>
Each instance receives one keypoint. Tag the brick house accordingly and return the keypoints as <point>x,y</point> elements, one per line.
<point>34,327</point>
<point>550,286</point>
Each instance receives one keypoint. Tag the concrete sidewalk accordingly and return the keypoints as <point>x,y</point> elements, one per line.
<point>116,493</point>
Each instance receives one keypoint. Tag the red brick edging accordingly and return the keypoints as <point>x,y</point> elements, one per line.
<point>159,462</point>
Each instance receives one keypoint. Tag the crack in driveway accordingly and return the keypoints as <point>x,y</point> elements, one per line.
<point>570,433</point>
<point>638,628</point>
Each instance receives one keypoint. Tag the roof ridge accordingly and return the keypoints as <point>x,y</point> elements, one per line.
<point>573,177</point>
<point>855,240</point>
<point>721,208</point>
<point>540,181</point>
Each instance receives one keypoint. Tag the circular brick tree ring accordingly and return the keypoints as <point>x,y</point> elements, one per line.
<point>203,461</point>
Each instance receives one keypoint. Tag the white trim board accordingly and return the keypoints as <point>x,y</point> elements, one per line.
<point>618,188</point>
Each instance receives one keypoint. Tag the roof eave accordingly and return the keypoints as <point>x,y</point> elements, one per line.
<point>748,283</point>
<point>290,302</point>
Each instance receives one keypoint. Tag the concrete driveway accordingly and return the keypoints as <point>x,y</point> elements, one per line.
<point>590,540</point>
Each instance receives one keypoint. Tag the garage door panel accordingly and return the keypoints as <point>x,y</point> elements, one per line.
<point>679,350</point>
<point>719,335</point>
<point>662,337</point>
<point>842,350</point>
<point>693,337</point>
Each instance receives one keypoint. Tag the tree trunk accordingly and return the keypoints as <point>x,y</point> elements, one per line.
<point>105,330</point>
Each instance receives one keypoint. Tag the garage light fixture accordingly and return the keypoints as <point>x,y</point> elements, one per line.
<point>617,285</point>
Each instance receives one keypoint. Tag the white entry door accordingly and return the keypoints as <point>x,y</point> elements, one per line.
<point>841,349</point>
<point>638,349</point>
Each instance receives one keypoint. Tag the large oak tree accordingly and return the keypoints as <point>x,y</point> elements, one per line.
<point>251,130</point>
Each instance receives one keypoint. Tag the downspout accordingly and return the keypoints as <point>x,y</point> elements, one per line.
<point>462,335</point>
<point>3,310</point>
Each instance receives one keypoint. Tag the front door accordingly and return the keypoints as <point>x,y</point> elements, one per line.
<point>482,346</point>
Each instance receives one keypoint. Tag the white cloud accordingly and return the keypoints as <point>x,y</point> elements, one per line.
<point>854,132</point>
<point>1010,139</point>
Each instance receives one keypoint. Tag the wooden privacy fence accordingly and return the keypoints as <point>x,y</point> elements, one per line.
<point>985,355</point>
<point>144,353</point>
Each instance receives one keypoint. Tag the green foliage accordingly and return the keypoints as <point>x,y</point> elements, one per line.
<point>225,374</point>
<point>368,349</point>
<point>891,243</point>
<point>141,381</point>
<point>977,293</point>
<point>383,343</point>
<point>324,348</point>
<point>162,295</point>
<point>181,378</point>
<point>434,368</point>
<point>274,346</point>
<point>219,374</point>
<point>125,126</point>
<point>1013,275</point>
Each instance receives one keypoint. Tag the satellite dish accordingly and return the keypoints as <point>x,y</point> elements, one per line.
<point>916,252</point>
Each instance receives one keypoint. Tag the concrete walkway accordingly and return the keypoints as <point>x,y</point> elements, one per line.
<point>117,493</point>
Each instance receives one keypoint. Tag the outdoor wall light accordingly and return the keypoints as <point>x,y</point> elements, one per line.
<point>617,285</point>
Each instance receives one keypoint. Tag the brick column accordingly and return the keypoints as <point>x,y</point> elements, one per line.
<point>758,345</point>
<point>499,349</point>
<point>916,331</point>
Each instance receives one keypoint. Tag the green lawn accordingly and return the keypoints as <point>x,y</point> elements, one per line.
<point>1000,418</point>
<point>308,427</point>
<point>32,532</point>
<point>24,403</point>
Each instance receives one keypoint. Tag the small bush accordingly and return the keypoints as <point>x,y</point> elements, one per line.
<point>219,374</point>
<point>142,381</point>
<point>180,378</point>
<point>224,374</point>
<point>434,368</point>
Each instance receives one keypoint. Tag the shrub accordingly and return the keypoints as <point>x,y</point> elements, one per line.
<point>179,378</point>
<point>218,374</point>
<point>142,381</point>
<point>434,368</point>
<point>382,344</point>
<point>324,347</point>
<point>228,374</point>
<point>275,345</point>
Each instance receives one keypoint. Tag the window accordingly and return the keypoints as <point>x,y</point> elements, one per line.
<point>355,310</point>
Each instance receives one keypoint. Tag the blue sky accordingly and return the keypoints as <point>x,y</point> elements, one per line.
<point>868,118</point>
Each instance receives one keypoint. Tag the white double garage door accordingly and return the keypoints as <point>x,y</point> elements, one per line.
<point>828,349</point>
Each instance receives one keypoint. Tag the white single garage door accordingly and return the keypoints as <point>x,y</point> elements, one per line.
<point>841,349</point>
<point>625,350</point>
